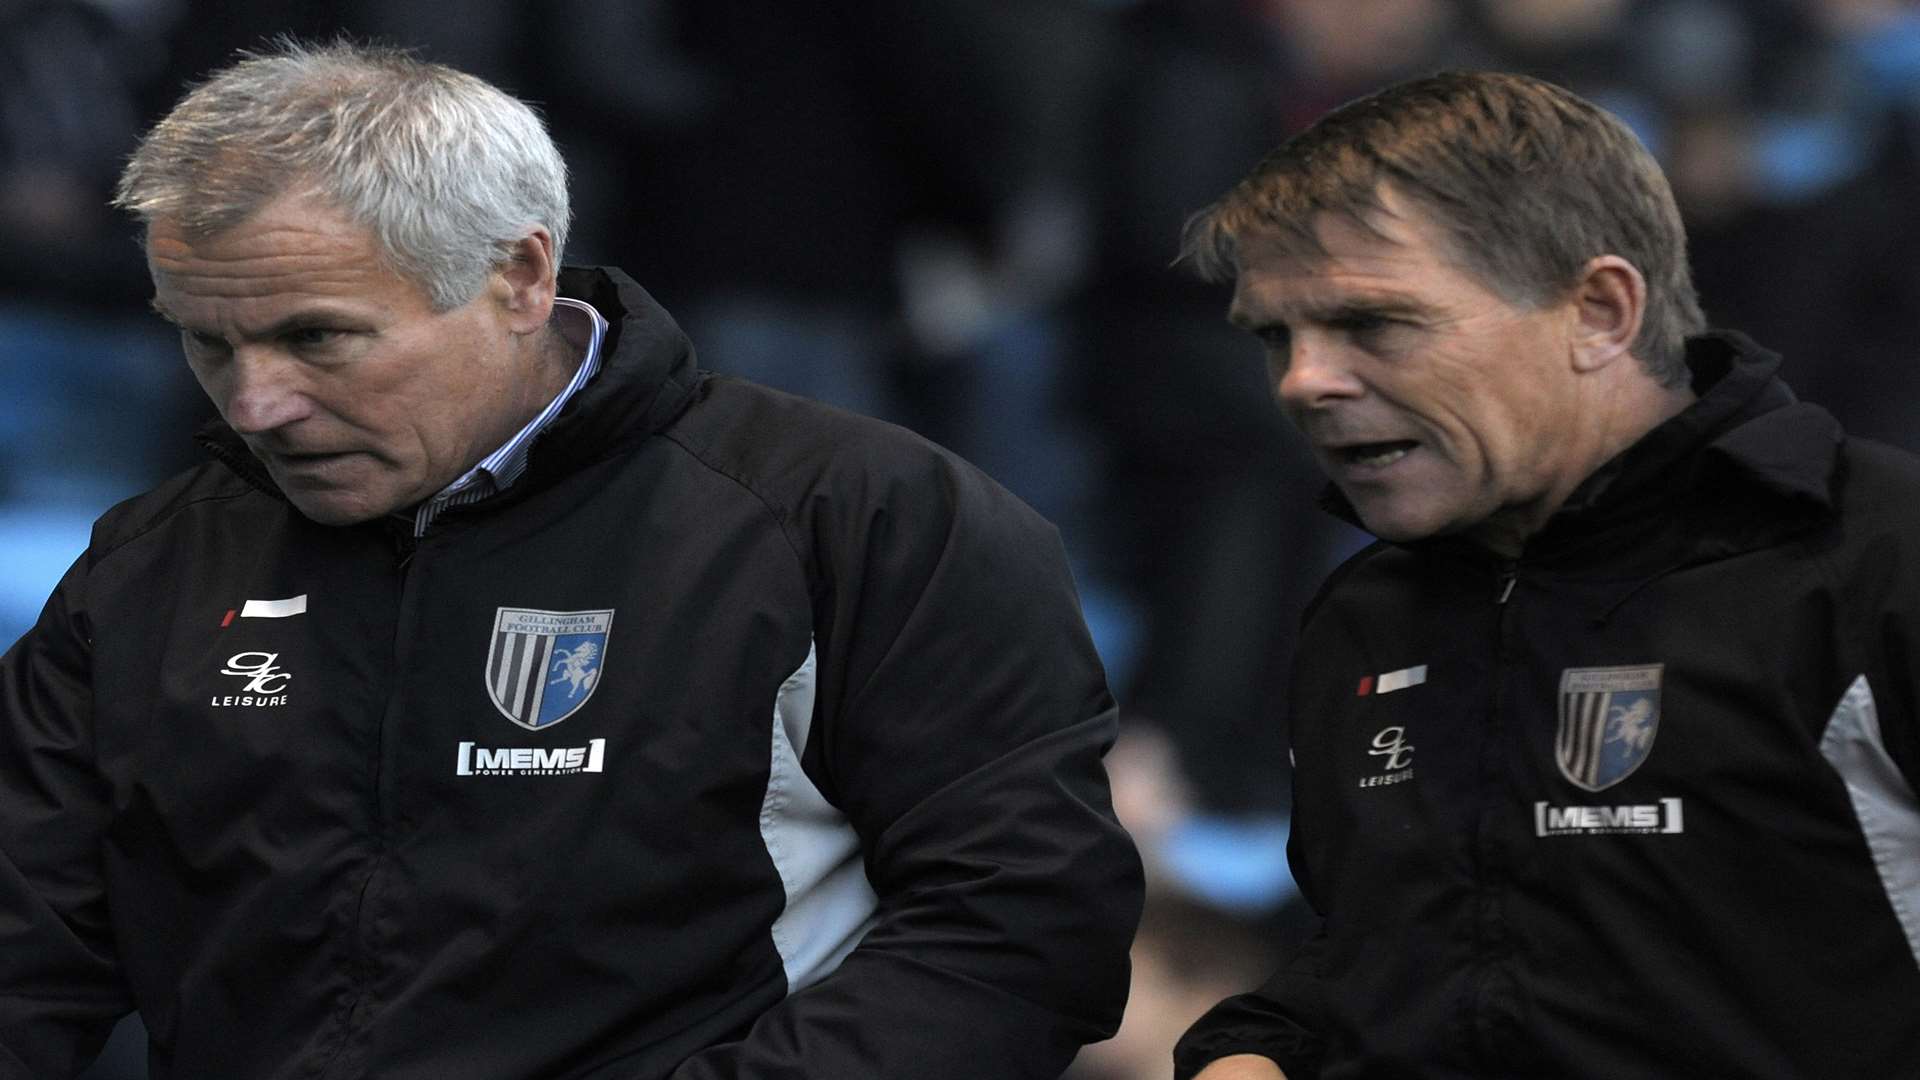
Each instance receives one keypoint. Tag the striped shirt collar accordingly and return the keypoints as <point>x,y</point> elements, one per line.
<point>497,471</point>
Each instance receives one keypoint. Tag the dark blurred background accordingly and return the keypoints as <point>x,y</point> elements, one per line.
<point>959,215</point>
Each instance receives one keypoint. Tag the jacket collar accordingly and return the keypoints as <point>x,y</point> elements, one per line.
<point>649,375</point>
<point>1746,427</point>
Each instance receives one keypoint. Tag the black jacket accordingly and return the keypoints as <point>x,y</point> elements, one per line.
<point>605,777</point>
<point>1638,804</point>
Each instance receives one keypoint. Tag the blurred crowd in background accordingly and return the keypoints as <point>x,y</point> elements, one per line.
<point>960,215</point>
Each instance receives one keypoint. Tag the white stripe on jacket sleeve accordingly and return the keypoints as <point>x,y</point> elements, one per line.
<point>830,904</point>
<point>1882,799</point>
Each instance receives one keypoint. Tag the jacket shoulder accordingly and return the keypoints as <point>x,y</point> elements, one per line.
<point>1878,480</point>
<point>738,422</point>
<point>133,517</point>
<point>792,451</point>
<point>1873,539</point>
<point>1378,561</point>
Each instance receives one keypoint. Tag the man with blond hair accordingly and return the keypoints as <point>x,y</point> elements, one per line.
<point>510,698</point>
<point>1605,753</point>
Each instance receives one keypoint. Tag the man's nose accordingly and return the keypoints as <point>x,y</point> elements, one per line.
<point>264,392</point>
<point>1316,372</point>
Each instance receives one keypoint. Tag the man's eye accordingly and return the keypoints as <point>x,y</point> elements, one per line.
<point>1361,322</point>
<point>1274,337</point>
<point>196,342</point>
<point>308,337</point>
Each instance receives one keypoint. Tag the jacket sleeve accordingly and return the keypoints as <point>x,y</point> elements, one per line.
<point>1280,1020</point>
<point>961,724</point>
<point>60,988</point>
<point>1284,1019</point>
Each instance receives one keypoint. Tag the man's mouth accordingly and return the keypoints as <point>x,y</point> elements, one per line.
<point>309,461</point>
<point>1374,455</point>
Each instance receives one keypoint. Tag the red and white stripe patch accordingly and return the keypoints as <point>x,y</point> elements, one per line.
<point>268,609</point>
<point>1390,681</point>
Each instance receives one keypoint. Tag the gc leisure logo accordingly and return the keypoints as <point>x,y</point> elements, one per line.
<point>263,681</point>
<point>1391,745</point>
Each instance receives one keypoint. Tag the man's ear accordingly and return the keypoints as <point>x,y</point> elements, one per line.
<point>1609,304</point>
<point>525,282</point>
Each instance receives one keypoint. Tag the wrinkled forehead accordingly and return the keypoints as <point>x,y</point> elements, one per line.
<point>1274,265</point>
<point>1391,244</point>
<point>289,256</point>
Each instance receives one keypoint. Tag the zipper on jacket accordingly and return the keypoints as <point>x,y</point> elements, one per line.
<point>404,545</point>
<point>348,1055</point>
<point>1488,1005</point>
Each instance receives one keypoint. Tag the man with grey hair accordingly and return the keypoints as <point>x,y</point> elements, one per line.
<point>1605,755</point>
<point>511,698</point>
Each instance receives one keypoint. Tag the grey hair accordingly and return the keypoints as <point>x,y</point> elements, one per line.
<point>447,171</point>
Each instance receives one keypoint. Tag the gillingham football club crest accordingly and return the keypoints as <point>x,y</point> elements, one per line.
<point>542,666</point>
<point>1608,718</point>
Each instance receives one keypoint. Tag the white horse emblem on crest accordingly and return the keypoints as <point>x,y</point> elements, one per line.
<point>543,666</point>
<point>574,668</point>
